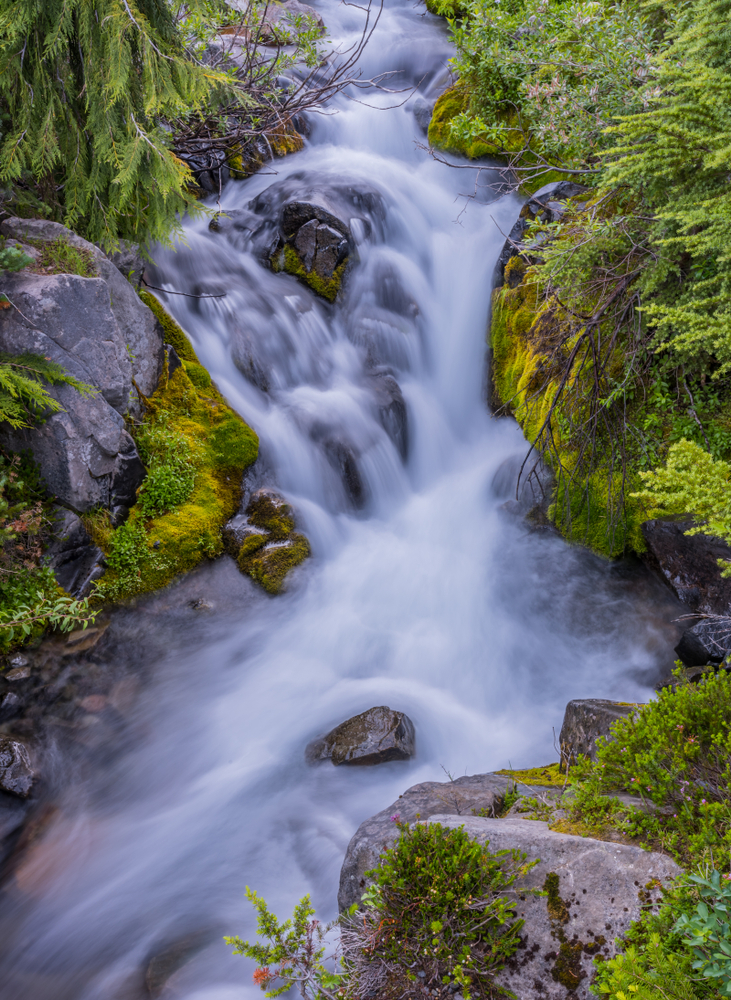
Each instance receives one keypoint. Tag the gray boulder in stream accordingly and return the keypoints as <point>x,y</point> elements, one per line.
<point>16,772</point>
<point>98,330</point>
<point>373,737</point>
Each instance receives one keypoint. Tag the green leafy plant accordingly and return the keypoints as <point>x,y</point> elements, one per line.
<point>675,754</point>
<point>293,951</point>
<point>707,930</point>
<point>13,258</point>
<point>171,461</point>
<point>441,905</point>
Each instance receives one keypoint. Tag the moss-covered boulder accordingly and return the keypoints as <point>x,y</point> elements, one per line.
<point>263,540</point>
<point>196,449</point>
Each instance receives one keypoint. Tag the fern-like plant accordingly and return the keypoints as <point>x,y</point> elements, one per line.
<point>23,396</point>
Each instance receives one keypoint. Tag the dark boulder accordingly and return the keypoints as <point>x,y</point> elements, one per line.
<point>688,564</point>
<point>584,721</point>
<point>343,460</point>
<point>71,554</point>
<point>373,737</point>
<point>709,641</point>
<point>16,772</point>
<point>469,795</point>
<point>392,410</point>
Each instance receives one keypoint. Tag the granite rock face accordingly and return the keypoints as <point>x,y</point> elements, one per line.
<point>373,737</point>
<point>16,772</point>
<point>595,890</point>
<point>99,331</point>
<point>688,564</point>
<point>584,721</point>
<point>462,797</point>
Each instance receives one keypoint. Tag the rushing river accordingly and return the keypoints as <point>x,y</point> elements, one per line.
<point>429,597</point>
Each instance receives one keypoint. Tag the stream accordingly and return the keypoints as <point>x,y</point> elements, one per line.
<point>422,593</point>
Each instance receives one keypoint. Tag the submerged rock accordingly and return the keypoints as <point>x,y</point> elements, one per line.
<point>594,890</point>
<point>373,737</point>
<point>16,773</point>
<point>466,796</point>
<point>585,720</point>
<point>688,564</point>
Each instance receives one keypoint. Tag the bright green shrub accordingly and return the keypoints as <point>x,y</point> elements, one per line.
<point>675,754</point>
<point>707,930</point>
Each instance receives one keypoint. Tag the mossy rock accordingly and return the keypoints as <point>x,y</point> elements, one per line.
<point>173,333</point>
<point>288,260</point>
<point>530,335</point>
<point>549,776</point>
<point>146,553</point>
<point>268,563</point>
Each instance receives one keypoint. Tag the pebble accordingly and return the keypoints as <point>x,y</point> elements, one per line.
<point>17,674</point>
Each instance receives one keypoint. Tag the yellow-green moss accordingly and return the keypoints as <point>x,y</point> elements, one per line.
<point>550,775</point>
<point>288,260</point>
<point>147,553</point>
<point>269,565</point>
<point>173,332</point>
<point>528,334</point>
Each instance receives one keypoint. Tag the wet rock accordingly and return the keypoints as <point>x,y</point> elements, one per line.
<point>463,797</point>
<point>10,706</point>
<point>585,720</point>
<point>688,564</point>
<point>392,410</point>
<point>373,737</point>
<point>423,110</point>
<point>17,674</point>
<point>71,554</point>
<point>709,641</point>
<point>342,458</point>
<point>99,331</point>
<point>595,889</point>
<point>16,773</point>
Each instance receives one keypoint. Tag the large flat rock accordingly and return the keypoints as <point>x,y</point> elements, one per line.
<point>595,888</point>
<point>471,793</point>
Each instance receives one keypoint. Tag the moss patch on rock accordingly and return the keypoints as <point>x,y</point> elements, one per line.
<point>198,448</point>
<point>274,548</point>
<point>288,260</point>
<point>530,336</point>
<point>550,775</point>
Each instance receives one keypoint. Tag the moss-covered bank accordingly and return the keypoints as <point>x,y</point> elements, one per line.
<point>196,449</point>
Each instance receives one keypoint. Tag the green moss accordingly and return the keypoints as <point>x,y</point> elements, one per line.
<point>529,336</point>
<point>287,259</point>
<point>550,775</point>
<point>269,565</point>
<point>447,8</point>
<point>197,375</point>
<point>146,552</point>
<point>173,332</point>
<point>557,909</point>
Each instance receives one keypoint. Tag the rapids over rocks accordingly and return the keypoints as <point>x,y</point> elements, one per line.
<point>421,594</point>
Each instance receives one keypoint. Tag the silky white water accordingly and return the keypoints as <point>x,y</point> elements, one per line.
<point>429,598</point>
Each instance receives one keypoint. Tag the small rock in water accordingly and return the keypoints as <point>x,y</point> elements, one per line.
<point>17,674</point>
<point>18,661</point>
<point>16,773</point>
<point>373,737</point>
<point>93,703</point>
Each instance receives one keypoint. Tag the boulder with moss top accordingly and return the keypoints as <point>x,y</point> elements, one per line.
<point>263,541</point>
<point>585,721</point>
<point>373,737</point>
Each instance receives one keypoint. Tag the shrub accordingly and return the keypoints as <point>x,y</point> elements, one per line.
<point>676,755</point>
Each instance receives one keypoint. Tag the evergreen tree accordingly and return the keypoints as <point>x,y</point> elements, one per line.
<point>86,89</point>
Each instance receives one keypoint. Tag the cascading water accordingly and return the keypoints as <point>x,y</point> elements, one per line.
<point>421,594</point>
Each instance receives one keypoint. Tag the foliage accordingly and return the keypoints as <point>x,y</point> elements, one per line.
<point>675,755</point>
<point>13,258</point>
<point>294,954</point>
<point>23,397</point>
<point>708,929</point>
<point>30,599</point>
<point>171,461</point>
<point>85,88</point>
<point>692,483</point>
<point>442,904</point>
